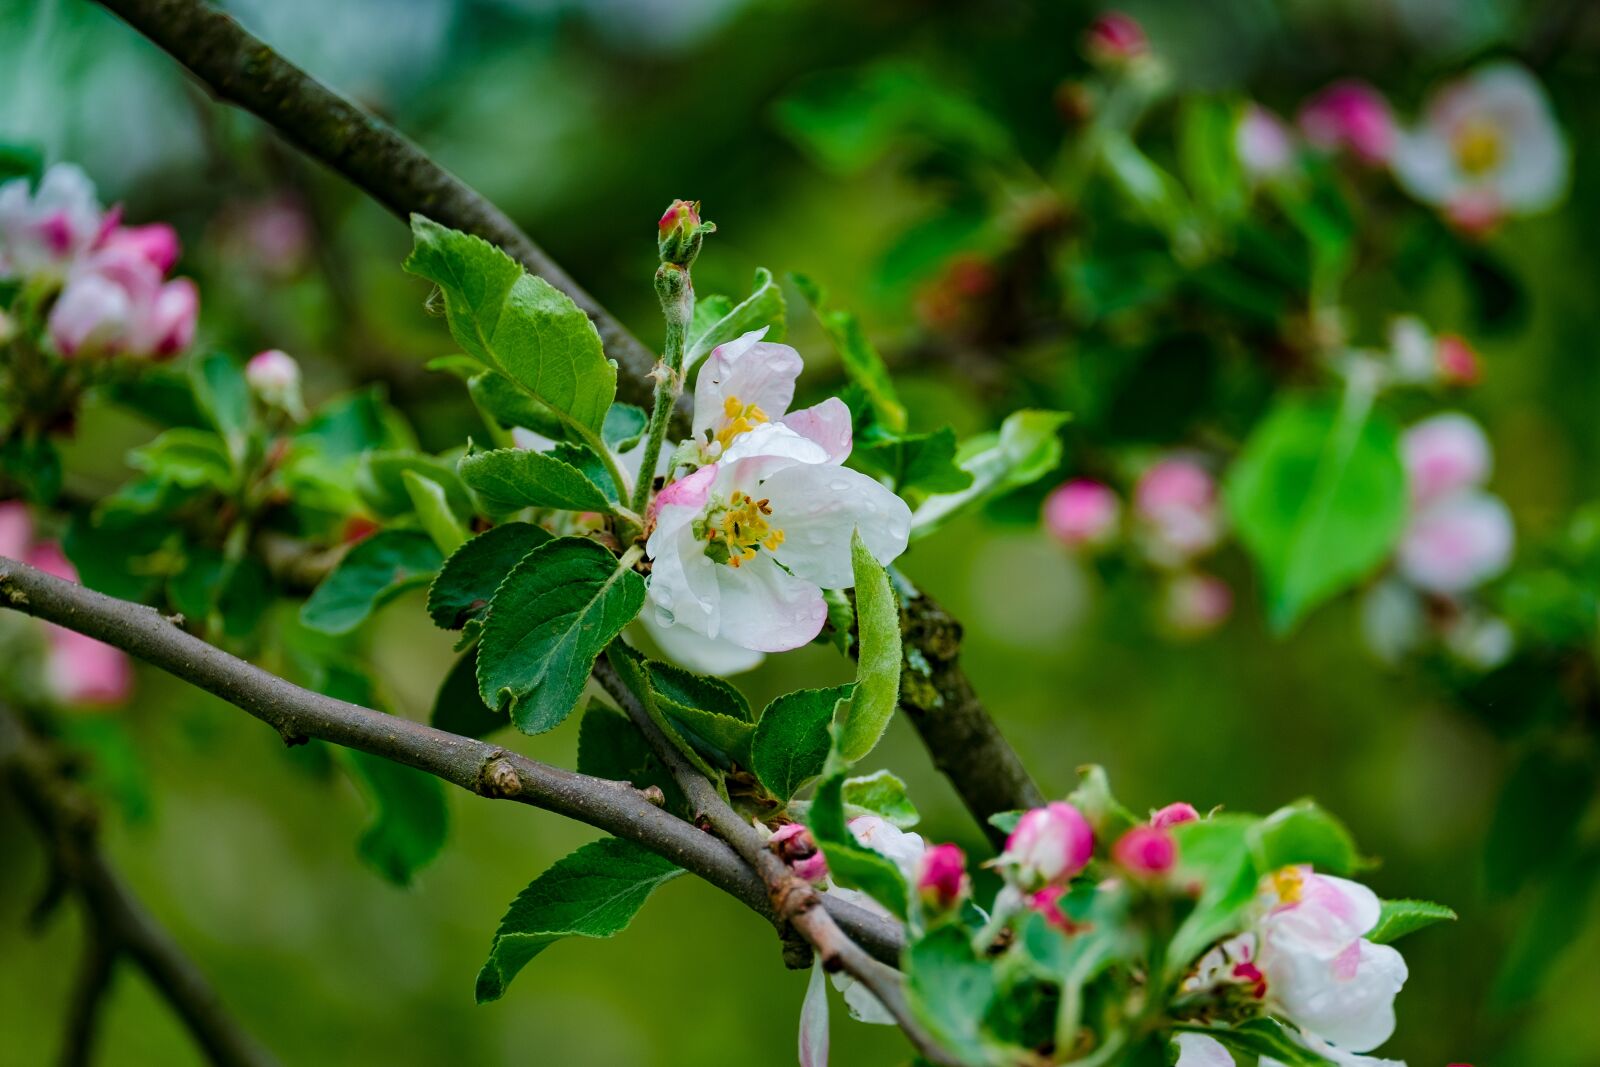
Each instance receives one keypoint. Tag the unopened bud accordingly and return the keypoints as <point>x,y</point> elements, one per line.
<point>681,231</point>
<point>1115,39</point>
<point>1350,115</point>
<point>275,377</point>
<point>1145,851</point>
<point>1049,846</point>
<point>1173,814</point>
<point>795,846</point>
<point>1458,363</point>
<point>942,879</point>
<point>1083,514</point>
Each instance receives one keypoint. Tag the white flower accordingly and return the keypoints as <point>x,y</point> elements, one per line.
<point>44,231</point>
<point>743,548</point>
<point>1457,543</point>
<point>707,655</point>
<point>1488,146</point>
<point>748,382</point>
<point>1442,454</point>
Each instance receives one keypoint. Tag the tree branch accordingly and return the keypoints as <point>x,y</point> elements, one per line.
<point>794,900</point>
<point>239,68</point>
<point>477,766</point>
<point>115,923</point>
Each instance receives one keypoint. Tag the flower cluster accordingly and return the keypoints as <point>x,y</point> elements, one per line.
<point>1486,147</point>
<point>113,297</point>
<point>78,670</point>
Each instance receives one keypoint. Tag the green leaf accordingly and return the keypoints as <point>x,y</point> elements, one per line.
<point>877,691</point>
<point>923,462</point>
<point>1006,821</point>
<point>115,550</point>
<point>470,576</point>
<point>20,161</point>
<point>238,592</point>
<point>1319,498</point>
<point>1106,814</point>
<point>709,713</point>
<point>861,360</point>
<point>1209,159</point>
<point>624,426</point>
<point>551,617</point>
<point>380,479</point>
<point>881,794</point>
<point>763,307</point>
<point>593,892</point>
<point>508,405</point>
<point>1213,853</point>
<point>371,574</point>
<point>791,740</point>
<point>433,511</point>
<point>609,746</point>
<point>848,862</point>
<point>194,459</point>
<point>223,397</point>
<point>517,324</point>
<point>951,989</point>
<point>459,708</point>
<point>684,688</point>
<point>1025,449</point>
<point>583,459</point>
<point>1304,833</point>
<point>1150,190</point>
<point>410,821</point>
<point>1262,1038</point>
<point>508,479</point>
<point>1401,917</point>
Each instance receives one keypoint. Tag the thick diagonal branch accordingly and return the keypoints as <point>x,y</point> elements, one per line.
<point>239,68</point>
<point>478,766</point>
<point>115,923</point>
<point>794,900</point>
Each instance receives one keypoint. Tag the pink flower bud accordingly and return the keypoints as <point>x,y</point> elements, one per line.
<point>1145,851</point>
<point>1176,501</point>
<point>91,317</point>
<point>273,374</point>
<point>794,845</point>
<point>1350,115</point>
<point>1082,513</point>
<point>942,879</point>
<point>1264,143</point>
<point>156,243</point>
<point>1196,604</point>
<point>1457,361</point>
<point>1115,38</point>
<point>1443,454</point>
<point>1457,543</point>
<point>16,529</point>
<point>1173,814</point>
<point>170,327</point>
<point>681,232</point>
<point>680,215</point>
<point>1048,846</point>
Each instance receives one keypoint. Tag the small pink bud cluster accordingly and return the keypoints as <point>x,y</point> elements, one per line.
<point>1115,39</point>
<point>795,846</point>
<point>1048,847</point>
<point>1176,504</point>
<point>1083,514</point>
<point>1149,852</point>
<point>79,670</point>
<point>942,880</point>
<point>1351,116</point>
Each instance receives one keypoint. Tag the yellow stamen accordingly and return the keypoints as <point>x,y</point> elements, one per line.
<point>1287,883</point>
<point>1478,145</point>
<point>741,418</point>
<point>743,528</point>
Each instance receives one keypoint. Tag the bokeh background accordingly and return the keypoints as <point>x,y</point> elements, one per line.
<point>582,118</point>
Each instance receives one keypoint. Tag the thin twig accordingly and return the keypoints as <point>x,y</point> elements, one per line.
<point>794,900</point>
<point>478,766</point>
<point>115,923</point>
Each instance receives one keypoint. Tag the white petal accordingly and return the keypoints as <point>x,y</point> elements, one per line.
<point>1347,1001</point>
<point>683,581</point>
<point>707,655</point>
<point>768,448</point>
<point>1458,543</point>
<point>864,1007</point>
<point>750,369</point>
<point>765,608</point>
<point>817,507</point>
<point>814,1020</point>
<point>1198,1050</point>
<point>828,424</point>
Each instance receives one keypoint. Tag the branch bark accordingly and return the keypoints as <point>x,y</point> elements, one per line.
<point>477,766</point>
<point>115,923</point>
<point>239,68</point>
<point>794,901</point>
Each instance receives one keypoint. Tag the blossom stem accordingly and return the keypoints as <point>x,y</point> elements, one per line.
<point>676,290</point>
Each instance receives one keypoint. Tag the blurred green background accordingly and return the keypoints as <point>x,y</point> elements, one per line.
<point>583,118</point>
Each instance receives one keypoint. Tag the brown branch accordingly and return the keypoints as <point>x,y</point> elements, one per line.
<point>477,766</point>
<point>115,923</point>
<point>794,900</point>
<point>239,68</point>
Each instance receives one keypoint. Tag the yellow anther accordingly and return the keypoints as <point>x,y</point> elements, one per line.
<point>1287,883</point>
<point>1478,145</point>
<point>741,418</point>
<point>742,528</point>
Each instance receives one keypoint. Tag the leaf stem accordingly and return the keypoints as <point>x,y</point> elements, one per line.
<point>676,290</point>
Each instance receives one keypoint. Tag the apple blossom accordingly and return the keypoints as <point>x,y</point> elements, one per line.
<point>44,231</point>
<point>1176,503</point>
<point>1487,146</point>
<point>1443,454</point>
<point>16,529</point>
<point>156,242</point>
<point>1174,814</point>
<point>942,880</point>
<point>1048,846</point>
<point>749,382</point>
<point>1350,115</point>
<point>1145,851</point>
<point>79,670</point>
<point>1082,513</point>
<point>115,303</point>
<point>1457,543</point>
<point>1264,144</point>
<point>743,548</point>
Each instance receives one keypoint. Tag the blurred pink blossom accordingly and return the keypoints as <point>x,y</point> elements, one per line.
<point>1049,845</point>
<point>1196,604</point>
<point>1457,543</point>
<point>1082,513</point>
<point>1145,851</point>
<point>115,303</point>
<point>1174,814</point>
<point>942,880</point>
<point>44,230</point>
<point>1442,454</point>
<point>1352,116</point>
<point>79,670</point>
<point>1176,501</point>
<point>1264,143</point>
<point>1115,38</point>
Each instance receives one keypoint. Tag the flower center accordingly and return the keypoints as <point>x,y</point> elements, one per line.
<point>1478,146</point>
<point>737,532</point>
<point>1287,883</point>
<point>741,418</point>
